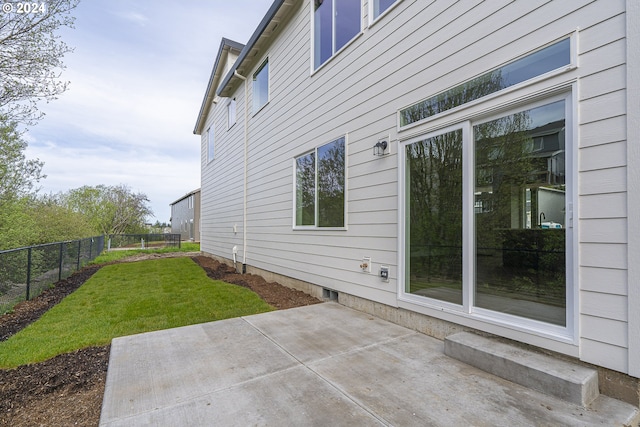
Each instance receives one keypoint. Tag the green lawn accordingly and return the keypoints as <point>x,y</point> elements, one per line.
<point>125,299</point>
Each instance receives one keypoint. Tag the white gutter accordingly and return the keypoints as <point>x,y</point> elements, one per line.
<point>246,150</point>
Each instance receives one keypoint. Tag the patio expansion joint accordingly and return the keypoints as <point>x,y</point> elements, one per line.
<point>331,384</point>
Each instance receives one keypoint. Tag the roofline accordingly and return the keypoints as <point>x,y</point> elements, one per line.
<point>207,94</point>
<point>271,13</point>
<point>185,196</point>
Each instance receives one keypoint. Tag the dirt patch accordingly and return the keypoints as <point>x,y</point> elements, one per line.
<point>68,389</point>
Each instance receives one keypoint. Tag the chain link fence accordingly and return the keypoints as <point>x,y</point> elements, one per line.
<point>26,272</point>
<point>143,241</point>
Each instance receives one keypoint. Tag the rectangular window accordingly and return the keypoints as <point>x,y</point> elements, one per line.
<point>380,6</point>
<point>543,61</point>
<point>261,87</point>
<point>336,22</point>
<point>231,113</point>
<point>210,143</point>
<point>320,186</point>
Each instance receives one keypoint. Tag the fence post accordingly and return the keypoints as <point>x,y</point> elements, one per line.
<point>79,249</point>
<point>60,262</point>
<point>28,272</point>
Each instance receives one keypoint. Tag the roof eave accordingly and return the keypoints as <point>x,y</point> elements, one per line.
<point>229,81</point>
<point>225,45</point>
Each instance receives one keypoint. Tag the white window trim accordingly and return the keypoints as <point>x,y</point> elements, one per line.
<point>346,192</point>
<point>336,53</point>
<point>373,20</point>
<point>568,334</point>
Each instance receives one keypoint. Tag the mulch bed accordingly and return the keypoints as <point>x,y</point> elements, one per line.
<point>68,389</point>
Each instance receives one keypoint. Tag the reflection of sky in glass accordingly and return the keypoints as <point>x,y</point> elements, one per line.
<point>379,6</point>
<point>323,27</point>
<point>261,87</point>
<point>546,114</point>
<point>347,21</point>
<point>535,64</point>
<point>540,62</point>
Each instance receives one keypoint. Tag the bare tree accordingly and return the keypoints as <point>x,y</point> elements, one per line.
<point>31,56</point>
<point>110,209</point>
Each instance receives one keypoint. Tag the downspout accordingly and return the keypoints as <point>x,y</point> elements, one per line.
<point>246,156</point>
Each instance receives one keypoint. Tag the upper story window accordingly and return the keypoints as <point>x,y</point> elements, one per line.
<point>320,186</point>
<point>380,6</point>
<point>210,143</point>
<point>550,58</point>
<point>231,113</point>
<point>335,23</point>
<point>261,86</point>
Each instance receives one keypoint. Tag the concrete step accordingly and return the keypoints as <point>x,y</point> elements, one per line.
<point>564,380</point>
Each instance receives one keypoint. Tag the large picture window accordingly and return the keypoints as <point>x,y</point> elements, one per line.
<point>320,186</point>
<point>514,260</point>
<point>335,22</point>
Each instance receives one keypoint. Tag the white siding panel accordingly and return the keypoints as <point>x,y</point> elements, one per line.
<point>604,131</point>
<point>606,306</point>
<point>603,181</point>
<point>606,81</point>
<point>609,205</point>
<point>603,230</point>
<point>604,330</point>
<point>603,255</point>
<point>601,354</point>
<point>593,109</point>
<point>607,31</point>
<point>605,156</point>
<point>603,280</point>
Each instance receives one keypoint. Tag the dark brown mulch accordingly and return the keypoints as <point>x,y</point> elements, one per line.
<point>275,294</point>
<point>28,312</point>
<point>68,389</point>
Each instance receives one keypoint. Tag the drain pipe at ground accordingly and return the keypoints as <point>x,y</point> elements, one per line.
<point>246,142</point>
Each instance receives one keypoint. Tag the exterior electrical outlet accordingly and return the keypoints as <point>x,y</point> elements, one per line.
<point>366,264</point>
<point>384,273</point>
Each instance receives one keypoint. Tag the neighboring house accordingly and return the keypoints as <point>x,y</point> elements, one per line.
<point>185,216</point>
<point>475,163</point>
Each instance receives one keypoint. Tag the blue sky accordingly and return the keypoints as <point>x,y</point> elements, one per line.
<point>137,78</point>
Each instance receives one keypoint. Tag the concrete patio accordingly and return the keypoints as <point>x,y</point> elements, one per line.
<point>319,365</point>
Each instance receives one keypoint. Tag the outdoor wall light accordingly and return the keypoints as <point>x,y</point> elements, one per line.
<point>380,148</point>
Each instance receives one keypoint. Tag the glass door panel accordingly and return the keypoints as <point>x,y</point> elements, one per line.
<point>519,210</point>
<point>434,217</point>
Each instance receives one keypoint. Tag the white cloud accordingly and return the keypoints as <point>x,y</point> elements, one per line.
<point>138,75</point>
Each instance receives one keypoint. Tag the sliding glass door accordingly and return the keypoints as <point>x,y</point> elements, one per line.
<point>515,205</point>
